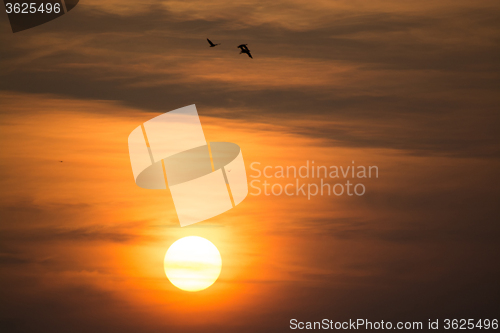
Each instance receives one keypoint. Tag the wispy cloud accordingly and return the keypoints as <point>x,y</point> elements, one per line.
<point>412,88</point>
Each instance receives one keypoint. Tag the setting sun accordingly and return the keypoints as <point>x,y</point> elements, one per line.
<point>192,263</point>
<point>342,156</point>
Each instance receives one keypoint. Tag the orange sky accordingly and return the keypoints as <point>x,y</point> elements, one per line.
<point>410,89</point>
<point>84,228</point>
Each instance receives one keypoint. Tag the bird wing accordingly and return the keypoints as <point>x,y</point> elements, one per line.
<point>242,46</point>
<point>249,54</point>
<point>210,42</point>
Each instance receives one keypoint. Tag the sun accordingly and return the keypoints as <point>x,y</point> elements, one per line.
<point>192,263</point>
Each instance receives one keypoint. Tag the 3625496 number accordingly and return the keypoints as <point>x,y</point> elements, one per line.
<point>469,324</point>
<point>32,8</point>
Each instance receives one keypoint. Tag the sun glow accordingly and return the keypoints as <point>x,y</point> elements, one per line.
<point>192,263</point>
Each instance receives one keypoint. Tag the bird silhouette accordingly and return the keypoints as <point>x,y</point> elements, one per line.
<point>244,49</point>
<point>212,44</point>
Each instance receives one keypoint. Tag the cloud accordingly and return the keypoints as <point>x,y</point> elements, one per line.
<point>412,88</point>
<point>122,232</point>
<point>380,76</point>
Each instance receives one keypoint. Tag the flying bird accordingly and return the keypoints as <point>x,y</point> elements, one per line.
<point>244,49</point>
<point>212,44</point>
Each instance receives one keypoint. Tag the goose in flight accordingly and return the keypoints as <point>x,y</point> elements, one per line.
<point>212,44</point>
<point>244,49</point>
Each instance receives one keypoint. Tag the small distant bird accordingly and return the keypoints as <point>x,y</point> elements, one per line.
<point>244,49</point>
<point>60,161</point>
<point>212,44</point>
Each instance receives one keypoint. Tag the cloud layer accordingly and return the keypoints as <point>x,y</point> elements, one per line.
<point>411,88</point>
